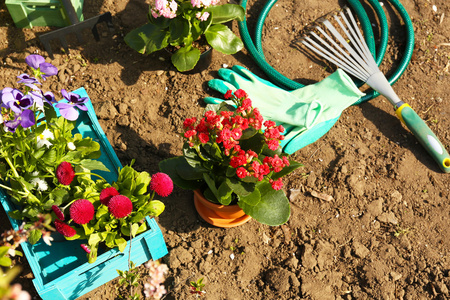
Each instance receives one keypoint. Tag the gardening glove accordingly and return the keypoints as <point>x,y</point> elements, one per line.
<point>306,113</point>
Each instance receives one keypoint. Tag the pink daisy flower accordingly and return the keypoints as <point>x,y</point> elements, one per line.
<point>65,173</point>
<point>162,184</point>
<point>82,211</point>
<point>64,229</point>
<point>107,194</point>
<point>120,206</point>
<point>85,248</point>
<point>58,212</point>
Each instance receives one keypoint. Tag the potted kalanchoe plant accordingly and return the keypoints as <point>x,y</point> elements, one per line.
<point>183,25</point>
<point>48,170</point>
<point>230,159</point>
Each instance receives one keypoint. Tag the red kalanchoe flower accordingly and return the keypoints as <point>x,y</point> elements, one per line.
<point>65,173</point>
<point>64,229</point>
<point>162,184</point>
<point>58,212</point>
<point>82,211</point>
<point>85,248</point>
<point>107,194</point>
<point>120,206</point>
<point>228,94</point>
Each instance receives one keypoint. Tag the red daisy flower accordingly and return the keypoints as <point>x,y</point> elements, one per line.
<point>65,173</point>
<point>162,184</point>
<point>64,229</point>
<point>58,212</point>
<point>82,211</point>
<point>120,206</point>
<point>107,194</point>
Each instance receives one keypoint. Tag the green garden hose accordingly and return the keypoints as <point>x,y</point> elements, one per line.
<point>257,53</point>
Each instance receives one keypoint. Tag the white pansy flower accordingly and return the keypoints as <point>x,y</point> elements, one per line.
<point>71,146</point>
<point>43,139</point>
<point>1,119</point>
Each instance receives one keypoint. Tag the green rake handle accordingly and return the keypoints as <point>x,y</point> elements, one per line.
<point>425,136</point>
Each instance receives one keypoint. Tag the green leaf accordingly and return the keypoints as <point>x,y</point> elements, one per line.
<point>49,156</point>
<point>92,164</point>
<point>224,193</point>
<point>142,182</point>
<point>154,208</point>
<point>273,209</point>
<point>147,38</point>
<point>240,188</point>
<point>185,58</point>
<point>213,150</point>
<point>92,256</point>
<point>5,261</point>
<point>35,236</point>
<point>226,12</point>
<point>211,184</point>
<point>179,28</point>
<point>3,250</point>
<point>16,214</point>
<point>134,229</point>
<point>255,143</point>
<point>110,239</point>
<point>94,239</point>
<point>172,166</point>
<point>251,199</point>
<point>221,38</point>
<point>121,244</point>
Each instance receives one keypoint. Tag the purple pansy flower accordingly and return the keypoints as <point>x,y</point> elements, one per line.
<point>69,110</point>
<point>37,62</point>
<point>16,100</point>
<point>27,79</point>
<point>25,119</point>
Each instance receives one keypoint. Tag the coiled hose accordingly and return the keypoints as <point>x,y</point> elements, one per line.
<point>255,49</point>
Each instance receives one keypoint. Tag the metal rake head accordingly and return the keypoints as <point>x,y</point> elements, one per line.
<point>343,46</point>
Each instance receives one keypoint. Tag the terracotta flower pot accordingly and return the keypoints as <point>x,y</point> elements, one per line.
<point>219,215</point>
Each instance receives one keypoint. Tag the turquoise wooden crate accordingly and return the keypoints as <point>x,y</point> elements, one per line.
<point>61,271</point>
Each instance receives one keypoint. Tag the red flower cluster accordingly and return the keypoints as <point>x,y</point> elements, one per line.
<point>227,127</point>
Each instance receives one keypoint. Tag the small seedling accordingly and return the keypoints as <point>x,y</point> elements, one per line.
<point>197,287</point>
<point>129,279</point>
<point>401,231</point>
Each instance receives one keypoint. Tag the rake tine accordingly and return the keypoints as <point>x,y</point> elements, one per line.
<point>348,58</point>
<point>362,41</point>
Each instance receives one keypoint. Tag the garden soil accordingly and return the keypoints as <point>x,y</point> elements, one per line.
<point>380,229</point>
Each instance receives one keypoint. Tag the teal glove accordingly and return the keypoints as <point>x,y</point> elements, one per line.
<point>306,113</point>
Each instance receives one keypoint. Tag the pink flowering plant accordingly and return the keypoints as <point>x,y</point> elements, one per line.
<point>234,157</point>
<point>34,141</point>
<point>182,23</point>
<point>111,214</point>
<point>48,169</point>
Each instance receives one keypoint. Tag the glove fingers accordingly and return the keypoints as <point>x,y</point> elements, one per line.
<point>220,85</point>
<point>236,79</point>
<point>250,76</point>
<point>212,100</point>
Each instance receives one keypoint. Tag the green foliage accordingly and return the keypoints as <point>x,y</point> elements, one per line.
<point>182,31</point>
